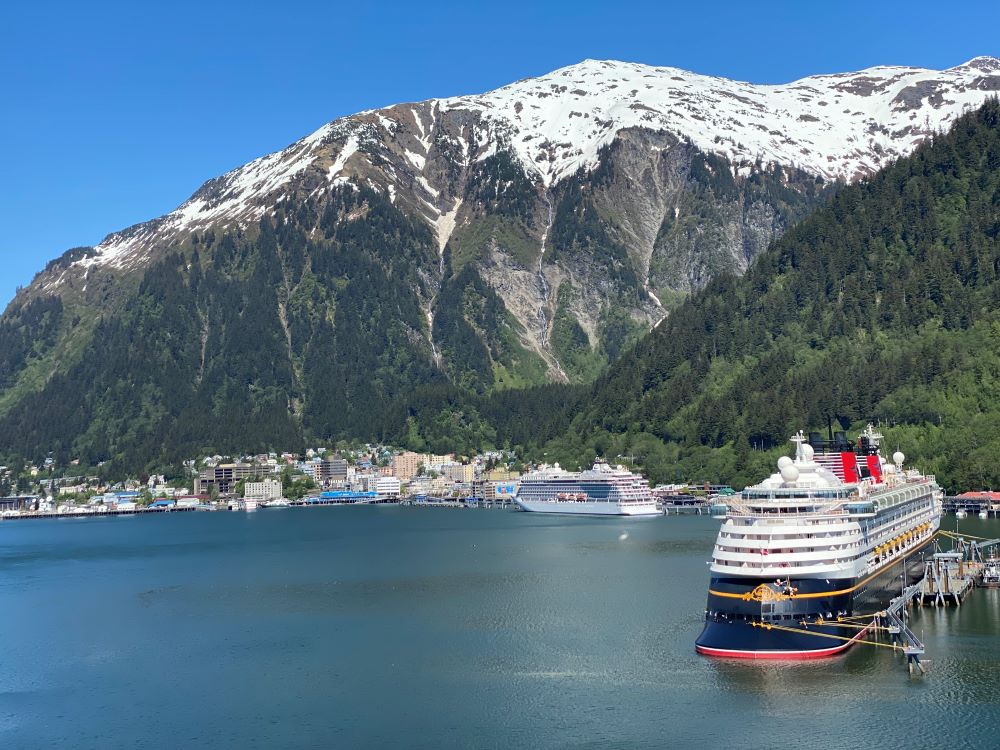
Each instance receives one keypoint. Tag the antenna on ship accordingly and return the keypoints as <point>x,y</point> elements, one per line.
<point>798,438</point>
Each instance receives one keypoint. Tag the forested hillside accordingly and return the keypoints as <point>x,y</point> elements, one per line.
<point>424,274</point>
<point>884,305</point>
<point>306,328</point>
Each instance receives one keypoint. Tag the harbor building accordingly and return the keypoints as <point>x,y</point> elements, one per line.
<point>18,502</point>
<point>388,488</point>
<point>263,491</point>
<point>223,477</point>
<point>364,482</point>
<point>330,471</point>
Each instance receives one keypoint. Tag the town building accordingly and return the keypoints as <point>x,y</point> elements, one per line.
<point>501,475</point>
<point>191,501</point>
<point>418,486</point>
<point>18,502</point>
<point>504,491</point>
<point>460,472</point>
<point>366,482</point>
<point>223,477</point>
<point>388,488</point>
<point>263,491</point>
<point>330,471</point>
<point>406,465</point>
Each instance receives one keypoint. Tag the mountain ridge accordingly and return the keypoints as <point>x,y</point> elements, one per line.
<point>268,173</point>
<point>435,245</point>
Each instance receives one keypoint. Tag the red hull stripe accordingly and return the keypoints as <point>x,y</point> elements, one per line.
<point>786,655</point>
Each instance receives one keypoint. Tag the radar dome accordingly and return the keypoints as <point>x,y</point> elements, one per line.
<point>898,458</point>
<point>789,473</point>
<point>807,452</point>
<point>783,462</point>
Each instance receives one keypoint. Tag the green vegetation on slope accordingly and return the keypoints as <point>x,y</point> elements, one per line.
<point>883,305</point>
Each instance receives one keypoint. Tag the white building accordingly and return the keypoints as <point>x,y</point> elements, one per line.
<point>263,491</point>
<point>367,482</point>
<point>387,487</point>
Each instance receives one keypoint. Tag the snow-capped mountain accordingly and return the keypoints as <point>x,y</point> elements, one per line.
<point>484,242</point>
<point>840,126</point>
<point>837,127</point>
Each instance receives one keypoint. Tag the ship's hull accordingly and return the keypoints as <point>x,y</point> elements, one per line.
<point>588,508</point>
<point>740,625</point>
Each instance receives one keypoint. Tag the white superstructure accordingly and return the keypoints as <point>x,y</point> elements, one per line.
<point>804,521</point>
<point>600,491</point>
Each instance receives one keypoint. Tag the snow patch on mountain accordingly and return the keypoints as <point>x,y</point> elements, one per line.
<point>840,126</point>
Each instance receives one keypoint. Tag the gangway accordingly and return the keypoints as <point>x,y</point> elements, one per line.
<point>894,617</point>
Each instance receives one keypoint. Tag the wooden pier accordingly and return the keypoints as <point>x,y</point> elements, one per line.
<point>948,577</point>
<point>99,514</point>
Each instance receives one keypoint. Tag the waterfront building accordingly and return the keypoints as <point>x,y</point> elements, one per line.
<point>263,491</point>
<point>387,488</point>
<point>500,491</point>
<point>18,502</point>
<point>460,472</point>
<point>406,465</point>
<point>366,482</point>
<point>223,477</point>
<point>191,501</point>
<point>330,470</point>
<point>419,486</point>
<point>440,486</point>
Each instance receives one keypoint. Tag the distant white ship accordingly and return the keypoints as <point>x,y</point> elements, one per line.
<point>600,491</point>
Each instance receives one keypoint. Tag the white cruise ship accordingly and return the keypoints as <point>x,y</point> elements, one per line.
<point>805,558</point>
<point>600,491</point>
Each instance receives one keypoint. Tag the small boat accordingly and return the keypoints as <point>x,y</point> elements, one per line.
<point>960,513</point>
<point>991,573</point>
<point>984,514</point>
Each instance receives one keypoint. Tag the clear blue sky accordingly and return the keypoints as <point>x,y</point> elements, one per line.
<point>115,112</point>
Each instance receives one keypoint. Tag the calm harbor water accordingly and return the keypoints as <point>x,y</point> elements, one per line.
<point>409,627</point>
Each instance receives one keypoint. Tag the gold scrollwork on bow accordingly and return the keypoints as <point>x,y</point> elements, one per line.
<point>764,593</point>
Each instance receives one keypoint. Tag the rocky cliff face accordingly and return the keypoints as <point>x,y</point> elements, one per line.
<point>528,234</point>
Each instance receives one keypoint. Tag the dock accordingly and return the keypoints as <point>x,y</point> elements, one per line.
<point>681,509</point>
<point>948,577</point>
<point>99,514</point>
<point>444,502</point>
